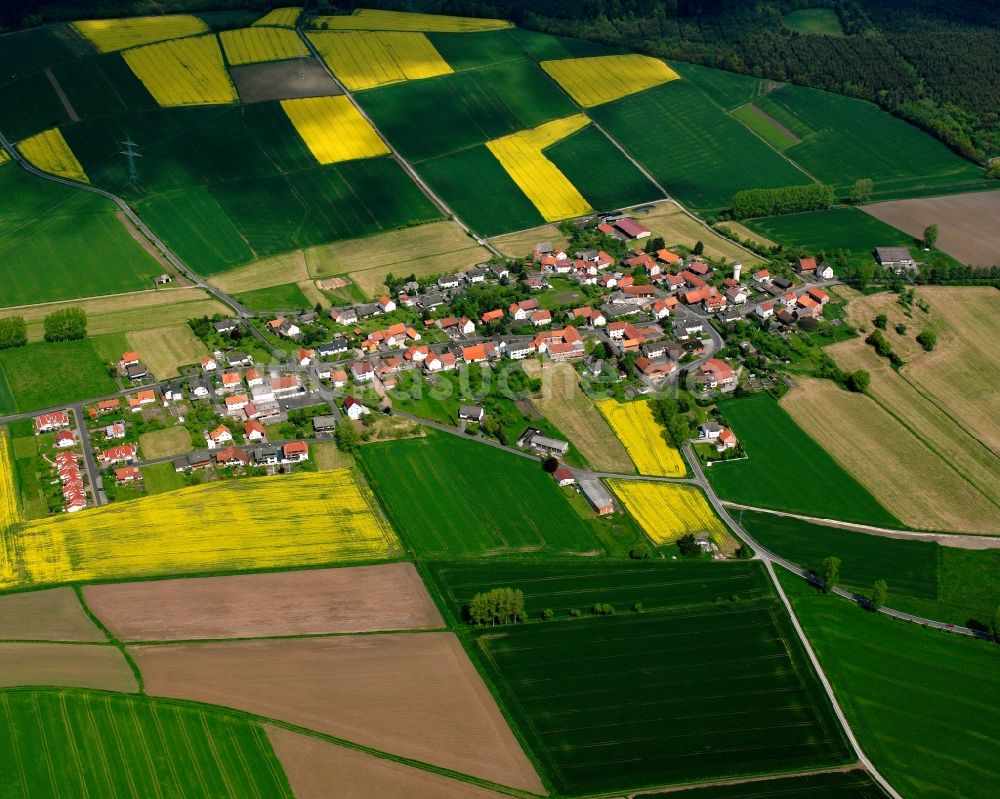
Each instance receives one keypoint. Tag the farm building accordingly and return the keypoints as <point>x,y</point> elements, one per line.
<point>896,258</point>
<point>533,439</point>
<point>597,495</point>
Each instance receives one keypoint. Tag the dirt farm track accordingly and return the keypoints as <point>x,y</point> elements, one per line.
<point>967,223</point>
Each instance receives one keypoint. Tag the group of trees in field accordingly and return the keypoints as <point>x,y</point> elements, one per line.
<point>785,200</point>
<point>67,324</point>
<point>497,606</point>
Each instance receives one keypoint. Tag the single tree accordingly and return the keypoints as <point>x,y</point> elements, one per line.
<point>927,339</point>
<point>831,573</point>
<point>879,592</point>
<point>930,236</point>
<point>861,191</point>
<point>13,332</point>
<point>858,381</point>
<point>881,321</point>
<point>346,437</point>
<point>548,613</point>
<point>901,329</point>
<point>699,248</point>
<point>550,464</point>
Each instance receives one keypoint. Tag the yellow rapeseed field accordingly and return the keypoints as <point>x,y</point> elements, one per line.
<point>9,514</point>
<point>366,19</point>
<point>110,35</point>
<point>281,17</point>
<point>49,151</point>
<point>364,59</point>
<point>666,511</point>
<point>634,424</point>
<point>549,190</point>
<point>601,79</point>
<point>183,72</point>
<point>254,45</point>
<point>266,522</point>
<point>4,158</point>
<point>333,129</point>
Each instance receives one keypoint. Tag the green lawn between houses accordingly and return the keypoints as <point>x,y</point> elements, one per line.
<point>924,704</point>
<point>448,497</point>
<point>636,699</point>
<point>787,470</point>
<point>89,743</point>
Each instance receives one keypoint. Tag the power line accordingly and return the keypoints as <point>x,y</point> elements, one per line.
<point>130,153</point>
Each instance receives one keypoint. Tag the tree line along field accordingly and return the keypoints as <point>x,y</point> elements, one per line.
<point>635,699</point>
<point>451,497</point>
<point>85,743</point>
<point>922,704</point>
<point>787,470</point>
<point>941,582</point>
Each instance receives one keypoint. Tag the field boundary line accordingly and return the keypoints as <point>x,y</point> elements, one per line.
<point>674,788</point>
<point>15,747</point>
<point>120,646</point>
<point>825,682</point>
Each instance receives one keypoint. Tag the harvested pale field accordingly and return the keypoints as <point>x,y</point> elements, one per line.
<point>328,457</point>
<point>367,19</point>
<point>315,601</point>
<point>311,292</point>
<point>667,219</point>
<point>110,35</point>
<point>565,405</point>
<point>434,248</point>
<point>642,437</point>
<point>51,615</point>
<point>165,349</point>
<point>967,223</point>
<point>312,765</point>
<point>50,152</point>
<point>910,480</point>
<point>745,233</point>
<point>950,440</point>
<point>416,695</point>
<point>100,666</point>
<point>333,129</point>
<point>164,443</point>
<point>521,156</point>
<point>236,525</point>
<point>862,309</point>
<point>118,313</point>
<point>365,59</point>
<point>668,511</point>
<point>288,267</point>
<point>259,44</point>
<point>283,80</point>
<point>183,72</point>
<point>522,243</point>
<point>601,79</point>
<point>960,375</point>
<point>281,17</point>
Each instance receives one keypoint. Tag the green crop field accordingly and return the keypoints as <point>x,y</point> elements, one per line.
<point>814,21</point>
<point>45,375</point>
<point>562,587</point>
<point>286,297</point>
<point>910,567</point>
<point>765,128</point>
<point>844,139</point>
<point>788,470</point>
<point>58,243</point>
<point>603,175</point>
<point>27,52</point>
<point>457,178</point>
<point>228,185</point>
<point>957,586</point>
<point>838,785</point>
<point>692,147</point>
<point>835,229</point>
<point>728,89</point>
<point>100,86</point>
<point>464,109</point>
<point>82,743</point>
<point>621,702</point>
<point>29,106</point>
<point>450,497</point>
<point>924,704</point>
<point>473,50</point>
